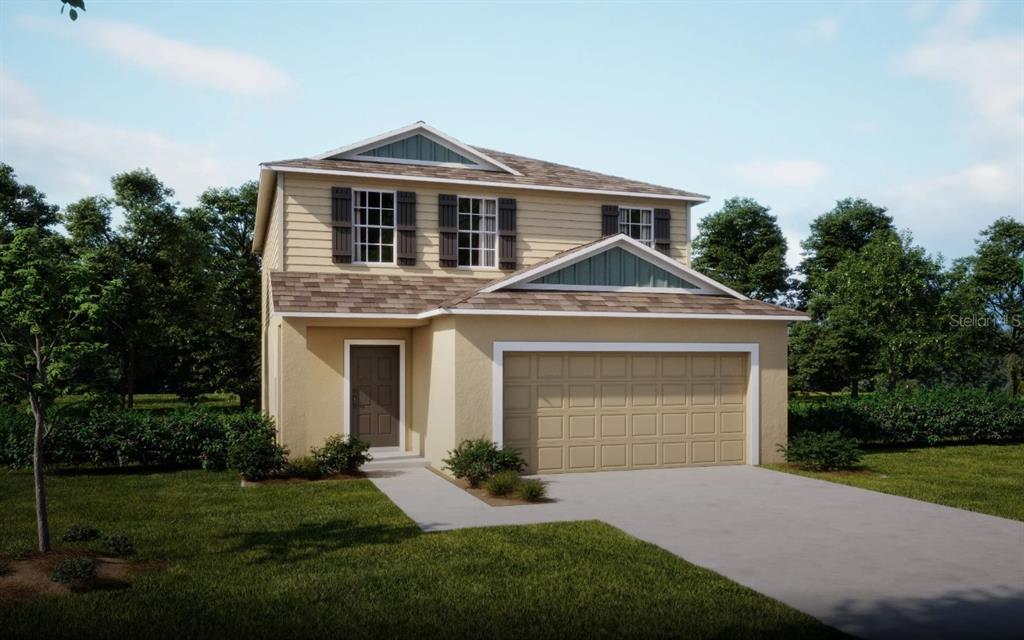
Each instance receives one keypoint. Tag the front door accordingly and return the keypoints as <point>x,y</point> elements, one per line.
<point>374,401</point>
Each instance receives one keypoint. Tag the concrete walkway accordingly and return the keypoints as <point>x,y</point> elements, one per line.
<point>871,564</point>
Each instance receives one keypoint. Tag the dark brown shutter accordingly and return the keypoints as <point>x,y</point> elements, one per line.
<point>341,224</point>
<point>405,225</point>
<point>609,220</point>
<point>662,222</point>
<point>507,233</point>
<point>448,227</point>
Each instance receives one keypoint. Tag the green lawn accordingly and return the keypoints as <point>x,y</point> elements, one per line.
<point>159,401</point>
<point>985,478</point>
<point>337,559</point>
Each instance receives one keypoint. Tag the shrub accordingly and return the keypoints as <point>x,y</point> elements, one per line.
<point>118,545</point>
<point>80,533</point>
<point>255,453</point>
<point>342,454</point>
<point>502,483</point>
<point>532,490</point>
<point>477,460</point>
<point>822,451</point>
<point>74,571</point>
<point>305,467</point>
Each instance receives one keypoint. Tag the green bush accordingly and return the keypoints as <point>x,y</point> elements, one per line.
<point>502,483</point>
<point>80,533</point>
<point>305,467</point>
<point>532,490</point>
<point>927,416</point>
<point>827,451</point>
<point>255,453</point>
<point>342,454</point>
<point>193,437</point>
<point>477,460</point>
<point>74,571</point>
<point>118,545</point>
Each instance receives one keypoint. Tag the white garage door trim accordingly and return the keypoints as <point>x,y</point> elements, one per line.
<point>753,386</point>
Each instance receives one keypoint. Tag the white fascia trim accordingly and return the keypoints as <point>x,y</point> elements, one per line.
<point>635,247</point>
<point>353,151</point>
<point>483,183</point>
<point>610,289</point>
<point>264,202</point>
<point>753,386</point>
<point>326,315</point>
<point>347,385</point>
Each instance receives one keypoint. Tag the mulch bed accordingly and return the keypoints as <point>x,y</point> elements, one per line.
<point>511,500</point>
<point>27,577</point>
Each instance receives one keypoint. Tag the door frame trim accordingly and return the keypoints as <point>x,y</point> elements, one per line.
<point>347,385</point>
<point>753,382</point>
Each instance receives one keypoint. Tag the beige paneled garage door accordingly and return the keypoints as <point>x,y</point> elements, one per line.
<point>603,411</point>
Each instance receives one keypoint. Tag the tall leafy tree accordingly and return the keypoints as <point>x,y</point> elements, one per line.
<point>22,205</point>
<point>835,235</point>
<point>876,315</point>
<point>51,305</point>
<point>228,218</point>
<point>742,246</point>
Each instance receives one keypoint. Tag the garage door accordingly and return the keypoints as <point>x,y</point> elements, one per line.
<point>603,411</point>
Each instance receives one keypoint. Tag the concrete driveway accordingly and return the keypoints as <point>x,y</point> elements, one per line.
<point>871,564</point>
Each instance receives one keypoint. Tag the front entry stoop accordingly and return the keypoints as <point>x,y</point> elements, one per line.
<point>393,458</point>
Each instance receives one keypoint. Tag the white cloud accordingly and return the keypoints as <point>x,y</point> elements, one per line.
<point>68,158</point>
<point>921,10</point>
<point>826,28</point>
<point>788,173</point>
<point>212,67</point>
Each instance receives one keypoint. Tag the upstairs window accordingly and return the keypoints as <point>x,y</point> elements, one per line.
<point>478,232</point>
<point>637,224</point>
<point>374,226</point>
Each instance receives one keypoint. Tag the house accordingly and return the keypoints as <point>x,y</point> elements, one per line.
<point>418,291</point>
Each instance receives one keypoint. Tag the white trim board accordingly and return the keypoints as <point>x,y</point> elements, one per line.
<point>346,427</point>
<point>516,312</point>
<point>753,452</point>
<point>482,183</point>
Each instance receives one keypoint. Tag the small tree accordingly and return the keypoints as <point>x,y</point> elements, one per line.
<point>50,306</point>
<point>743,247</point>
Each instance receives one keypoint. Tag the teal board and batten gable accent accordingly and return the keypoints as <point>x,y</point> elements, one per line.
<point>417,147</point>
<point>615,267</point>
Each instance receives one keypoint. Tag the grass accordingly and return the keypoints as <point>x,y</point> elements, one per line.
<point>338,559</point>
<point>981,477</point>
<point>165,401</point>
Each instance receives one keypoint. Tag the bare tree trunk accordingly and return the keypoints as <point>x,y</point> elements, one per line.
<point>42,522</point>
<point>854,388</point>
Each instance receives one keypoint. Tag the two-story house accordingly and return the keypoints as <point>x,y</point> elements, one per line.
<point>418,291</point>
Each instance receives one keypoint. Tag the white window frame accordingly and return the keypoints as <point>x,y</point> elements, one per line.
<point>357,248</point>
<point>645,213</point>
<point>482,199</point>
<point>753,434</point>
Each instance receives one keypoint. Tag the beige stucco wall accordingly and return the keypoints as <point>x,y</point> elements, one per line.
<point>312,379</point>
<point>434,388</point>
<point>548,222</point>
<point>475,337</point>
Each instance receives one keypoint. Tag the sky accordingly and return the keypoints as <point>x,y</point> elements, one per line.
<point>917,106</point>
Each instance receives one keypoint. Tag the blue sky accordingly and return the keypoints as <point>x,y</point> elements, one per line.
<point>918,106</point>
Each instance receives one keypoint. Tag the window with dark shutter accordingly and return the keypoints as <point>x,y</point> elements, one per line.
<point>448,228</point>
<point>609,220</point>
<point>341,224</point>
<point>406,227</point>
<point>662,225</point>
<point>507,233</point>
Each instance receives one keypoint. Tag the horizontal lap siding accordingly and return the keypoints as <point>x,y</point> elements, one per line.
<point>547,222</point>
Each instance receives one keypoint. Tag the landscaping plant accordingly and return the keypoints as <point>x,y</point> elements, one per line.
<point>502,483</point>
<point>476,460</point>
<point>305,467</point>
<point>75,571</point>
<point>118,545</point>
<point>829,451</point>
<point>342,454</point>
<point>256,455</point>
<point>80,533</point>
<point>532,490</point>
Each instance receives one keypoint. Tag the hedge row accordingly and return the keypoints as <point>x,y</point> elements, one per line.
<point>188,438</point>
<point>921,417</point>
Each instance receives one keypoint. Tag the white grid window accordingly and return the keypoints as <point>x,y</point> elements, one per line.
<point>374,224</point>
<point>637,224</point>
<point>478,232</point>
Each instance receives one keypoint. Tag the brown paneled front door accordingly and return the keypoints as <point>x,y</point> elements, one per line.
<point>374,398</point>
